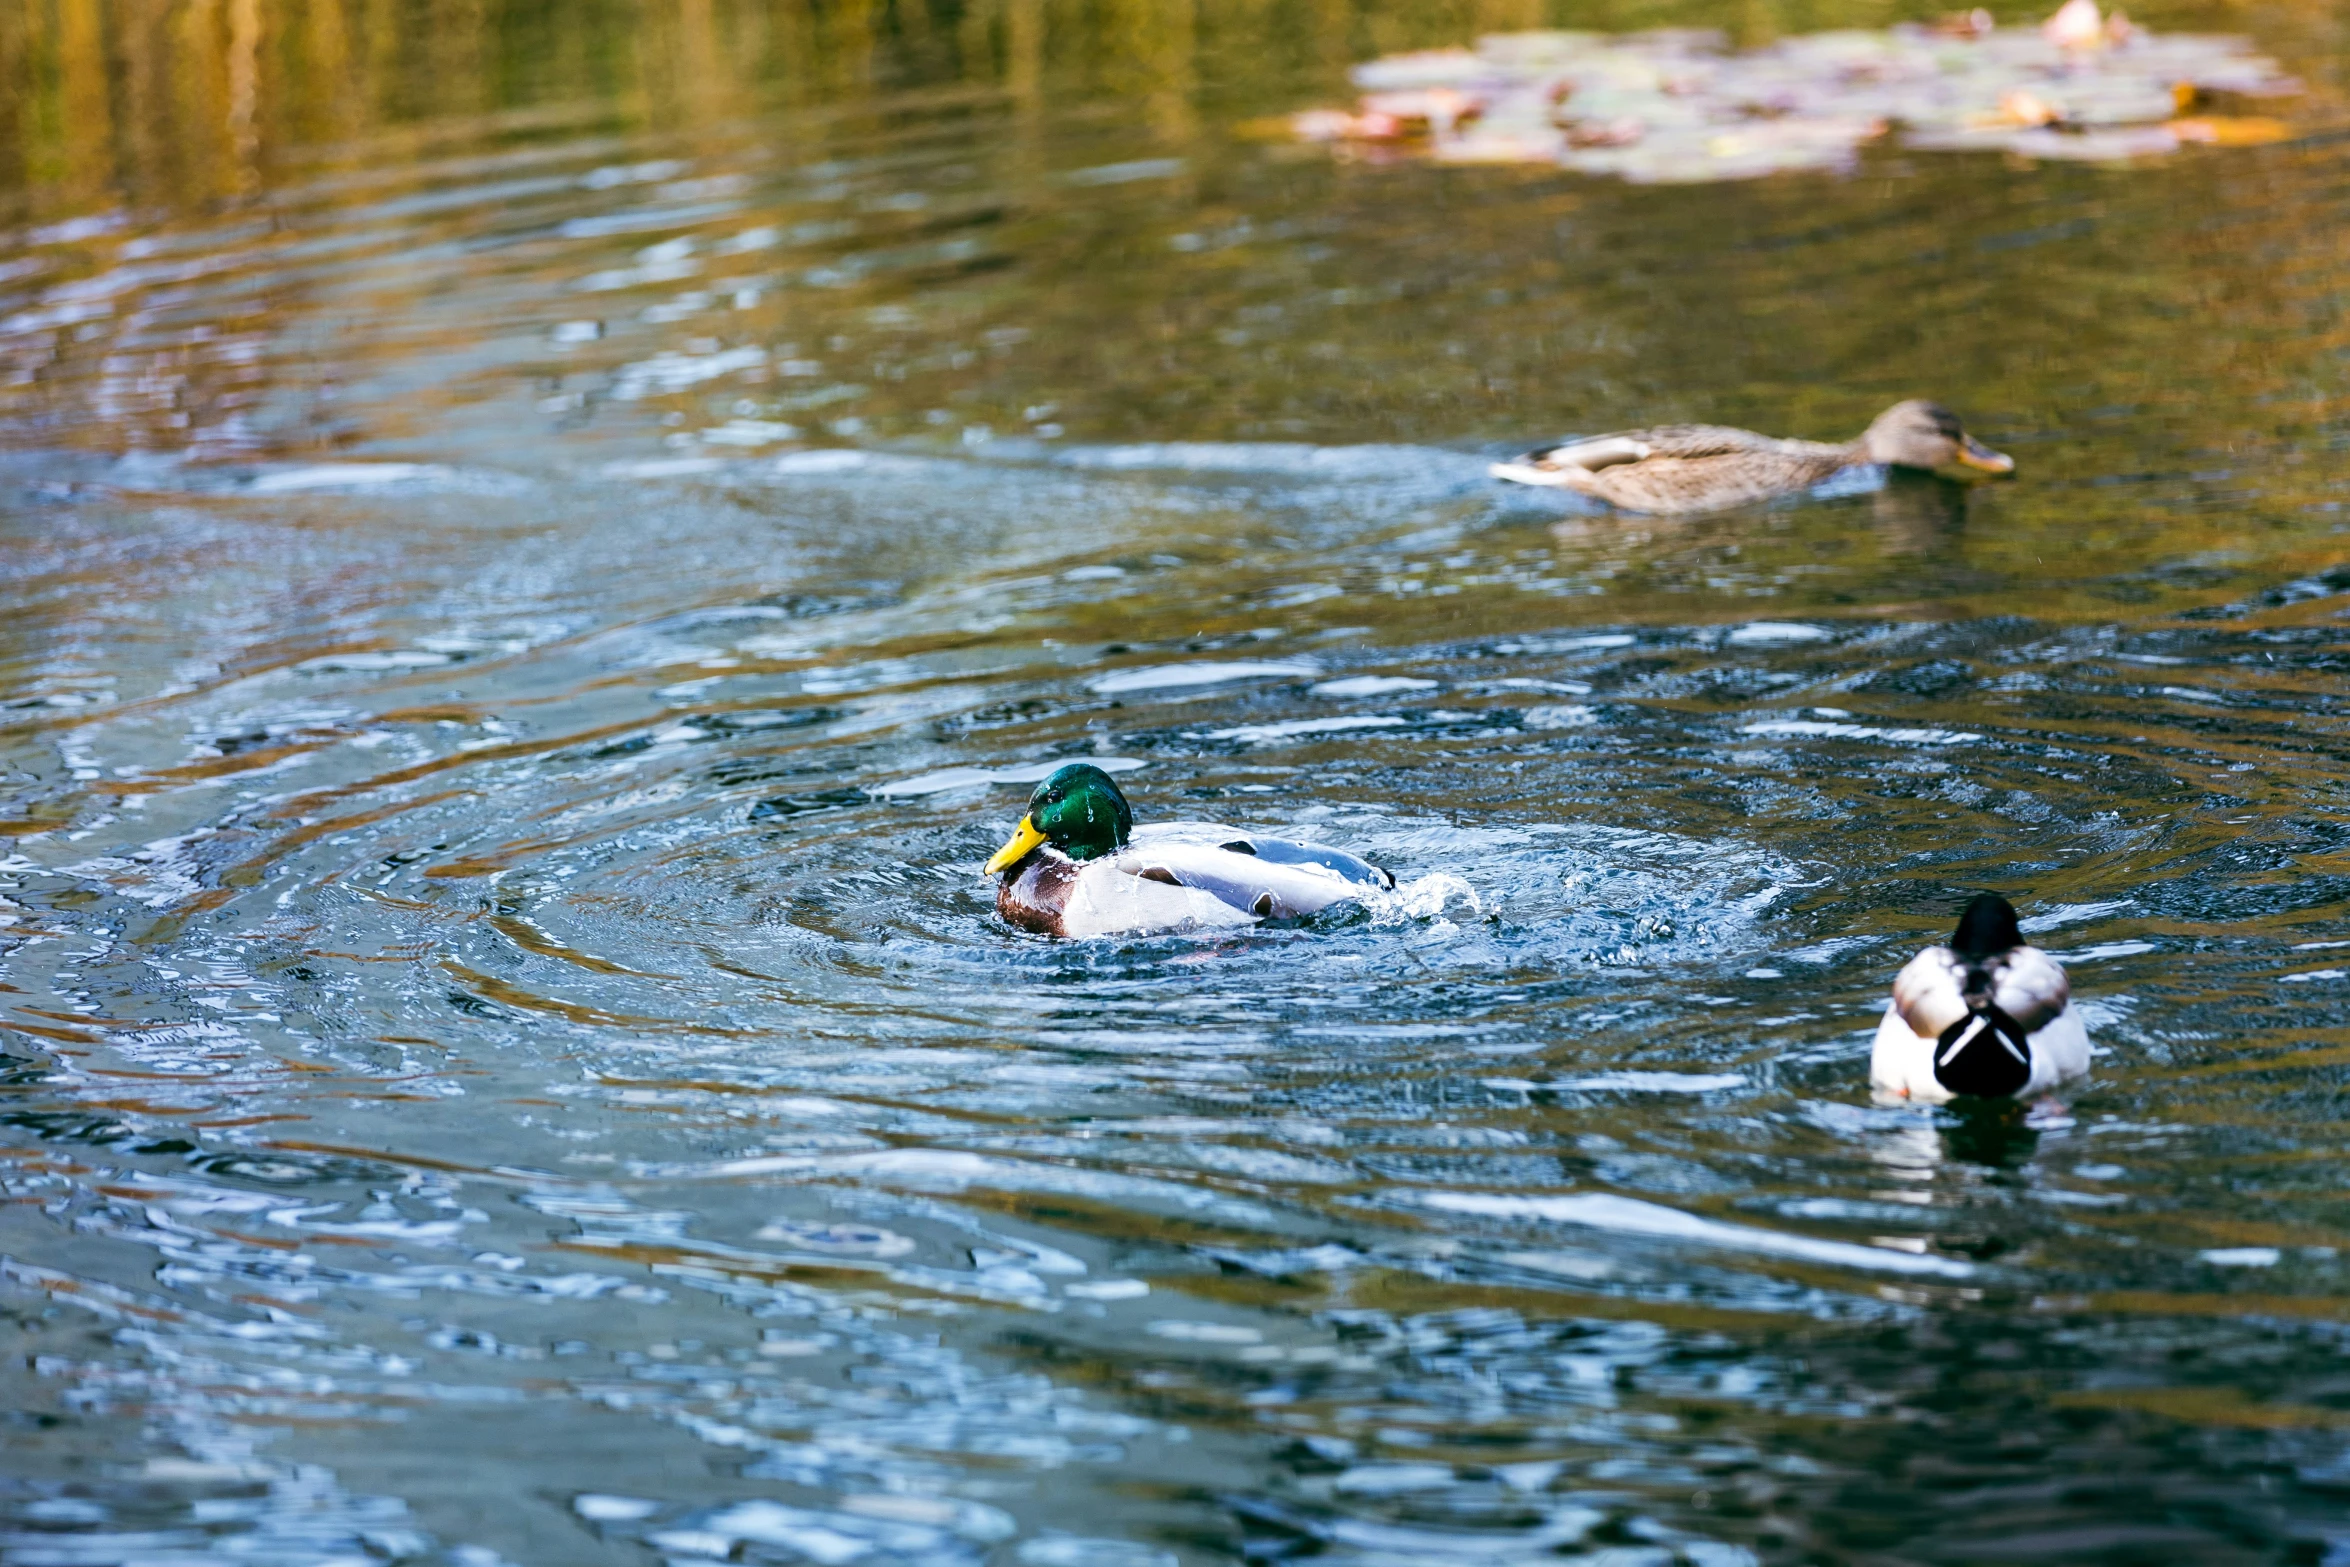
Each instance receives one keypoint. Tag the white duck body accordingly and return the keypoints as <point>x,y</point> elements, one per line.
<point>1181,876</point>
<point>1930,996</point>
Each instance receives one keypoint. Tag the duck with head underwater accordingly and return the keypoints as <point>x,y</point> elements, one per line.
<point>1986,1017</point>
<point>1677,468</point>
<point>1078,866</point>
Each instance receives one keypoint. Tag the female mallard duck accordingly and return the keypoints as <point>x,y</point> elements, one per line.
<point>1076,866</point>
<point>1984,1017</point>
<point>1705,467</point>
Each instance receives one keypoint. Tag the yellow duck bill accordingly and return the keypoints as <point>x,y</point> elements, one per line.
<point>1974,454</point>
<point>1024,838</point>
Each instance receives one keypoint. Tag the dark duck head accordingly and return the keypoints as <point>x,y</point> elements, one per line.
<point>1986,1053</point>
<point>1078,810</point>
<point>1986,929</point>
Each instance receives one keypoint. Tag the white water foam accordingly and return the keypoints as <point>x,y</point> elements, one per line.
<point>947,778</point>
<point>1288,459</point>
<point>1649,1082</point>
<point>1261,734</point>
<point>1794,727</point>
<point>1426,898</point>
<point>1773,633</point>
<point>1184,677</point>
<point>1630,1216</point>
<point>1371,685</point>
<point>343,476</point>
<point>662,467</point>
<point>2071,914</point>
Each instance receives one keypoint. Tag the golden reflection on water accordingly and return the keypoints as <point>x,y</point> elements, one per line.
<point>1242,294</point>
<point>190,101</point>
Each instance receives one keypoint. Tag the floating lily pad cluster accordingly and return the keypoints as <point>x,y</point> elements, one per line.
<point>1680,106</point>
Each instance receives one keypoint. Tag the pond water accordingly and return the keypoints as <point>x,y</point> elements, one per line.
<point>530,532</point>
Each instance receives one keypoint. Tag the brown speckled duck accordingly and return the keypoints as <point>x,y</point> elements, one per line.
<point>1679,468</point>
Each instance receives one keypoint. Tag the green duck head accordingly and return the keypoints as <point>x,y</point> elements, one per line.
<point>1078,810</point>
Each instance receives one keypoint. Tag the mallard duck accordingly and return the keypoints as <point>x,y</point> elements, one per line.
<point>1705,467</point>
<point>1984,1017</point>
<point>1077,866</point>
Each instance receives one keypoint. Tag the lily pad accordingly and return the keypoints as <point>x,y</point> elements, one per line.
<point>1680,106</point>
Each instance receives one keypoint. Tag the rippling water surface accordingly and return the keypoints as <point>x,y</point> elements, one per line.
<point>530,601</point>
